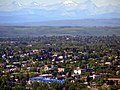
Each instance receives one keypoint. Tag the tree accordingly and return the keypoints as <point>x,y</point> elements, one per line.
<point>33,69</point>
<point>19,88</point>
<point>35,85</point>
<point>56,86</point>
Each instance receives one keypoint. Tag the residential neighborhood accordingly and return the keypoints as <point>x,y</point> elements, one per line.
<point>60,63</point>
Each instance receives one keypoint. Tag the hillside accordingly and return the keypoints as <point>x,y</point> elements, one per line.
<point>81,22</point>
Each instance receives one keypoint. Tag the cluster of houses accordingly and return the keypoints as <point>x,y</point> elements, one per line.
<point>65,57</point>
<point>51,65</point>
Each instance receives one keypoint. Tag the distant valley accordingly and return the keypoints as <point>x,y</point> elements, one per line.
<point>36,31</point>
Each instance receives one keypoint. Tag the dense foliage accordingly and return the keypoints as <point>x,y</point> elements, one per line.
<point>24,58</point>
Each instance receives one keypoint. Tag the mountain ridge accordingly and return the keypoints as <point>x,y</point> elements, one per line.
<point>59,11</point>
<point>75,22</point>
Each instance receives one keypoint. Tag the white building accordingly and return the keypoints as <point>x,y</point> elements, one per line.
<point>79,71</point>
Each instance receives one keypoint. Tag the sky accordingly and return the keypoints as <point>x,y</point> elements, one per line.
<point>48,9</point>
<point>6,5</point>
<point>97,2</point>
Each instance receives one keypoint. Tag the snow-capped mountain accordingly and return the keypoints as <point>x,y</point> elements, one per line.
<point>70,3</point>
<point>17,4</point>
<point>34,5</point>
<point>71,8</point>
<point>68,9</point>
<point>14,6</point>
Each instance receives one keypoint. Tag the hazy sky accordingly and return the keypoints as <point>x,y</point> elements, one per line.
<point>97,2</point>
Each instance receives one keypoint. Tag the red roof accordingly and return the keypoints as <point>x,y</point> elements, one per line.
<point>117,79</point>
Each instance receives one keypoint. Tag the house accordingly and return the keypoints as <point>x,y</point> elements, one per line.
<point>2,65</point>
<point>112,81</point>
<point>61,69</point>
<point>30,45</point>
<point>95,77</point>
<point>107,63</point>
<point>84,78</point>
<point>46,68</point>
<point>102,62</point>
<point>16,63</point>
<point>39,68</point>
<point>79,71</point>
<point>10,56</point>
<point>10,66</point>
<point>55,54</point>
<point>34,52</point>
<point>60,57</point>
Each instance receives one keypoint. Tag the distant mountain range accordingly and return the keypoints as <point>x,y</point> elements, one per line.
<point>16,12</point>
<point>82,22</point>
